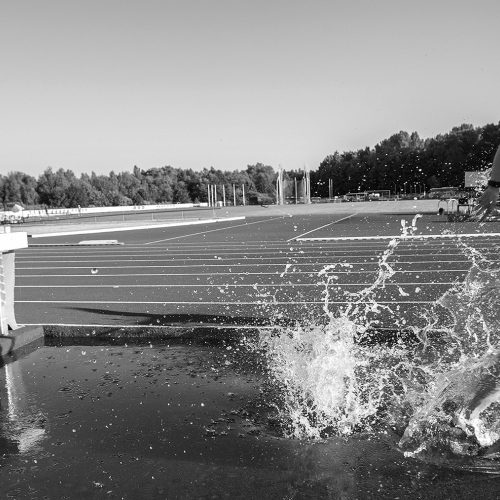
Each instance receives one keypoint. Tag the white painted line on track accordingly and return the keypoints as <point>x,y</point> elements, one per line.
<point>298,238</point>
<point>362,252</point>
<point>209,246</point>
<point>248,250</point>
<point>253,264</point>
<point>228,259</point>
<point>257,303</point>
<point>134,228</point>
<point>264,253</point>
<point>212,230</point>
<point>400,237</point>
<point>242,285</point>
<point>274,273</point>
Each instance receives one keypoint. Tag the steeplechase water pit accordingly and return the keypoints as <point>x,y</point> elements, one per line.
<point>331,407</point>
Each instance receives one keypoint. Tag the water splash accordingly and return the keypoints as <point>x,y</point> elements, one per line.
<point>458,410</point>
<point>325,378</point>
<point>439,394</point>
<point>325,373</point>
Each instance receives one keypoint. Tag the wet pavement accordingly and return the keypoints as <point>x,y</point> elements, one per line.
<point>187,421</point>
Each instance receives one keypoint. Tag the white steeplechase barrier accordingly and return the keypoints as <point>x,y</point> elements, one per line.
<point>11,335</point>
<point>9,242</point>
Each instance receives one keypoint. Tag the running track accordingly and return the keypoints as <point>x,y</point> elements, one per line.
<point>246,273</point>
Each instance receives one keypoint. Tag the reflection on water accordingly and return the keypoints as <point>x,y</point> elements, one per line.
<point>24,426</point>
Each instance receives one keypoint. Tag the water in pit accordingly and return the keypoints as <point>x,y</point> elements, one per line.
<point>314,411</point>
<point>184,421</point>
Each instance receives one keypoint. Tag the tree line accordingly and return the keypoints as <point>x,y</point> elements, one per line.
<point>404,162</point>
<point>63,189</point>
<point>401,162</point>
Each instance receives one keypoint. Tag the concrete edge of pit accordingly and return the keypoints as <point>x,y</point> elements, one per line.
<point>205,333</point>
<point>32,337</point>
<point>20,338</point>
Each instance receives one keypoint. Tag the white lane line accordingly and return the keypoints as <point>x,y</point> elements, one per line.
<point>256,264</point>
<point>228,246</point>
<point>210,275</point>
<point>177,245</point>
<point>315,253</point>
<point>274,273</point>
<point>133,228</point>
<point>254,303</point>
<point>263,273</point>
<point>400,237</point>
<point>298,238</point>
<point>211,231</point>
<point>287,258</point>
<point>273,251</point>
<point>256,286</point>
<point>299,252</point>
<point>208,258</point>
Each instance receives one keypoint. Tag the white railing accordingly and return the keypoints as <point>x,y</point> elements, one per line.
<point>14,217</point>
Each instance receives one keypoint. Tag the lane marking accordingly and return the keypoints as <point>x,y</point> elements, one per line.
<point>212,230</point>
<point>299,252</point>
<point>274,273</point>
<point>400,237</point>
<point>221,252</point>
<point>264,245</point>
<point>256,286</point>
<point>286,259</point>
<point>321,227</point>
<point>257,303</point>
<point>97,261</point>
<point>363,263</point>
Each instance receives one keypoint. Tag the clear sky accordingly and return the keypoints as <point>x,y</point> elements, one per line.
<point>100,85</point>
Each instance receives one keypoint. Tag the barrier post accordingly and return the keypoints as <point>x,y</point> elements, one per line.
<point>8,243</point>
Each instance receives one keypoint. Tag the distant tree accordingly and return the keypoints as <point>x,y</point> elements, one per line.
<point>128,184</point>
<point>482,151</point>
<point>54,187</point>
<point>181,194</point>
<point>193,184</point>
<point>20,188</point>
<point>263,178</point>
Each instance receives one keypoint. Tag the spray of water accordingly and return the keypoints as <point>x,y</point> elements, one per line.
<point>439,393</point>
<point>458,410</point>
